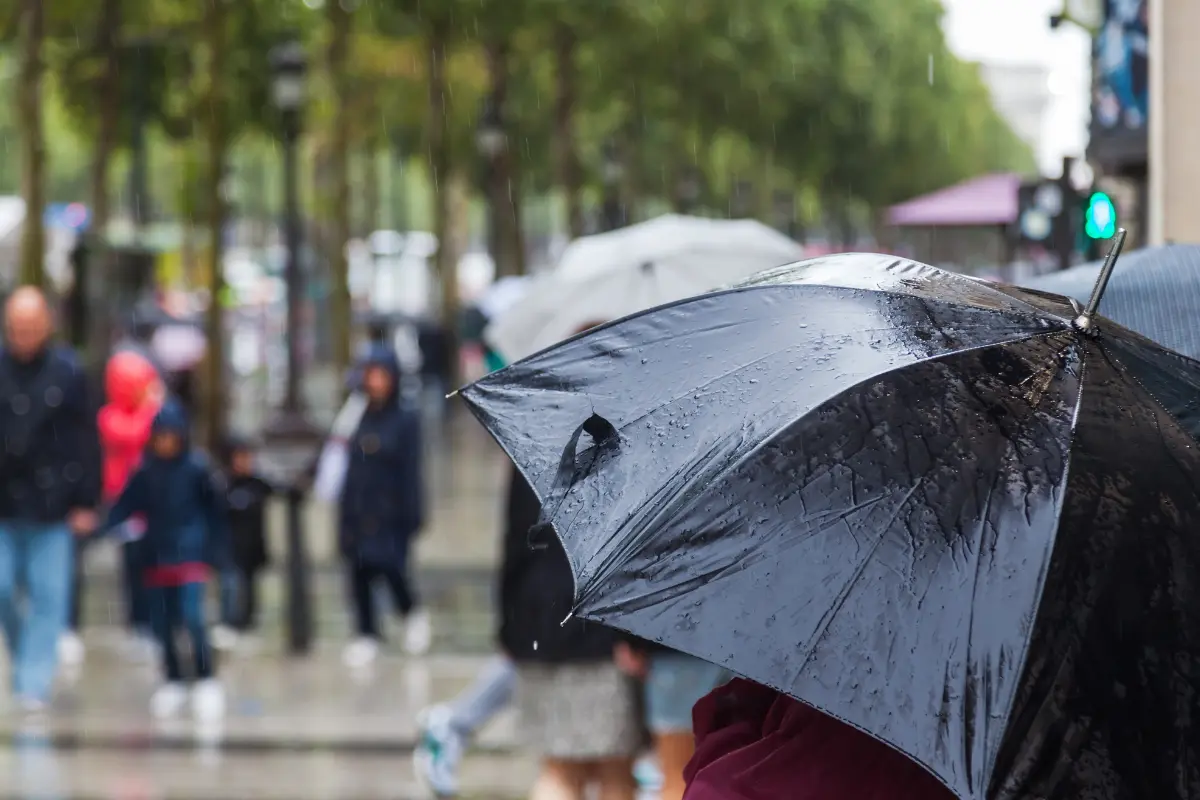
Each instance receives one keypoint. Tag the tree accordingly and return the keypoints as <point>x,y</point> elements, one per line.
<point>337,54</point>
<point>108,87</point>
<point>566,152</point>
<point>216,134</point>
<point>32,26</point>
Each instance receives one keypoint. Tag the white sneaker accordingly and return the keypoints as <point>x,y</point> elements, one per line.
<point>224,637</point>
<point>418,633</point>
<point>438,752</point>
<point>168,700</point>
<point>208,700</point>
<point>360,653</point>
<point>70,649</point>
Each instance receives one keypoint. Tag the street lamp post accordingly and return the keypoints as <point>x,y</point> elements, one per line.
<point>613,172</point>
<point>291,439</point>
<point>689,189</point>
<point>490,141</point>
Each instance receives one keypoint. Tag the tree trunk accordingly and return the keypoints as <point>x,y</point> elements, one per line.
<point>439,165</point>
<point>501,193</point>
<point>372,181</point>
<point>97,277</point>
<point>340,306</point>
<point>33,145</point>
<point>217,142</point>
<point>570,178</point>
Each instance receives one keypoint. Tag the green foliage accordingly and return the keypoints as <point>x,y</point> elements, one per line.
<point>847,101</point>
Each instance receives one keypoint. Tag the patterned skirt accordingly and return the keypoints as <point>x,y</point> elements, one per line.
<point>578,712</point>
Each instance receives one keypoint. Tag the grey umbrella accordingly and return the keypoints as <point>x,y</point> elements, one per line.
<point>1155,291</point>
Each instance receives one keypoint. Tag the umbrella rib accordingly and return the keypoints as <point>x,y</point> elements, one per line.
<point>844,594</point>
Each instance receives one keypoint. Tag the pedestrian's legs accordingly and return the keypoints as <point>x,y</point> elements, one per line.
<point>10,618</point>
<point>248,586</point>
<point>191,602</point>
<point>402,594</point>
<point>137,604</point>
<point>229,584</point>
<point>560,780</point>
<point>165,614</point>
<point>47,580</point>
<point>361,578</point>
<point>492,691</point>
<point>77,587</point>
<point>614,779</point>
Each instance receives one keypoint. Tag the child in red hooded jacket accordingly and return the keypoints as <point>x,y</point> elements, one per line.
<point>134,393</point>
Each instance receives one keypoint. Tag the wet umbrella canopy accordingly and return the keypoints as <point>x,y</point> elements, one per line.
<point>926,505</point>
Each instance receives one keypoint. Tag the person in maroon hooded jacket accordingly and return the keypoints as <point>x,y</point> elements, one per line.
<point>754,743</point>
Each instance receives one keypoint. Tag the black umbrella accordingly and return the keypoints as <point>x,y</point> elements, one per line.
<point>926,505</point>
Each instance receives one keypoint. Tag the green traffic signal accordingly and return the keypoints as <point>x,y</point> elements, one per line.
<point>1100,217</point>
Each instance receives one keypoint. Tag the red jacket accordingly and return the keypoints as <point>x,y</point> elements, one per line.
<point>753,743</point>
<point>124,422</point>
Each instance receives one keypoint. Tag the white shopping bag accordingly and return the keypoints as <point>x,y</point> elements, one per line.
<point>335,455</point>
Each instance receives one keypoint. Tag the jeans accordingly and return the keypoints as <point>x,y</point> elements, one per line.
<point>175,607</point>
<point>674,684</point>
<point>35,563</point>
<point>362,578</point>
<point>230,589</point>
<point>490,694</point>
<point>239,598</point>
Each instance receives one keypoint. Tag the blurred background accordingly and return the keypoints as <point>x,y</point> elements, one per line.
<point>202,167</point>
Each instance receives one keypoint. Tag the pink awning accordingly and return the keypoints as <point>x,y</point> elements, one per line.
<point>987,200</point>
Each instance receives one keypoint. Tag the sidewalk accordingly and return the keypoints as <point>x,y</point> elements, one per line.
<point>294,729</point>
<point>273,704</point>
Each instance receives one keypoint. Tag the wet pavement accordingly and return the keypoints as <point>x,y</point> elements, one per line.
<point>293,728</point>
<point>33,771</point>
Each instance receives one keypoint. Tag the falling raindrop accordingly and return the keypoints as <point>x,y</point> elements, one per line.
<point>931,69</point>
<point>535,644</point>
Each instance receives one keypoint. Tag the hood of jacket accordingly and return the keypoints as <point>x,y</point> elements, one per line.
<point>382,357</point>
<point>172,418</point>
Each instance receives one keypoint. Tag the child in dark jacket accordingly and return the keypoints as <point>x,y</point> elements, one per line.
<point>186,533</point>
<point>246,495</point>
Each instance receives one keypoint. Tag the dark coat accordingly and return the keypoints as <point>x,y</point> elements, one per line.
<point>50,462</point>
<point>382,505</point>
<point>182,501</point>
<point>537,589</point>
<point>246,501</point>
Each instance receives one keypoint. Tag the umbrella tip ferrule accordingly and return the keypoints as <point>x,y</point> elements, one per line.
<point>1085,323</point>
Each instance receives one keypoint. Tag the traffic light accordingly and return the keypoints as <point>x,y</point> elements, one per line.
<point>1100,217</point>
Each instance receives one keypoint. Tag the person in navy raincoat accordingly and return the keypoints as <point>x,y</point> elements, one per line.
<point>179,495</point>
<point>382,508</point>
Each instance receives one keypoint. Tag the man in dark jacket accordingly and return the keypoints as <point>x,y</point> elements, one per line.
<point>49,487</point>
<point>382,508</point>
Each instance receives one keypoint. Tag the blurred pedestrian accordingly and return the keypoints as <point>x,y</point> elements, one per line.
<point>381,509</point>
<point>577,710</point>
<point>672,684</point>
<point>134,392</point>
<point>49,486</point>
<point>186,534</point>
<point>246,496</point>
<point>446,730</point>
<point>753,742</point>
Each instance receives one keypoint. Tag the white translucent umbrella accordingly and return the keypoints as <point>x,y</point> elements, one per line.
<point>178,347</point>
<point>503,295</point>
<point>612,275</point>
